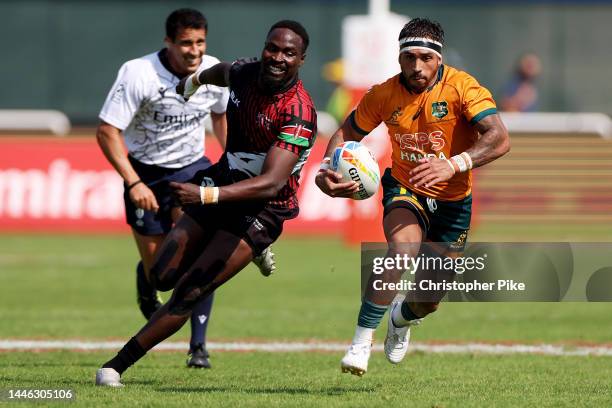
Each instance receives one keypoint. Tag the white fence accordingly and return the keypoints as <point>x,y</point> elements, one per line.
<point>52,121</point>
<point>558,123</point>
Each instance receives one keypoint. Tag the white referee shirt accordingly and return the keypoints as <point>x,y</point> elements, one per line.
<point>159,127</point>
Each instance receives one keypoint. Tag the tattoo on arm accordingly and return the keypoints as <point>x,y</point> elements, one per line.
<point>493,141</point>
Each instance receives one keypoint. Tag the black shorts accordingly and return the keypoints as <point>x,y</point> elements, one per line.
<point>157,179</point>
<point>257,223</point>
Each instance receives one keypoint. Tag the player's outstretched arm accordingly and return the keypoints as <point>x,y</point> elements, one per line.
<point>493,143</point>
<point>218,75</point>
<point>328,181</point>
<point>276,170</point>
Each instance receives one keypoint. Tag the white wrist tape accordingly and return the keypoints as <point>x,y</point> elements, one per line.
<point>191,85</point>
<point>325,164</point>
<point>468,159</point>
<point>209,195</point>
<point>196,77</point>
<point>463,161</point>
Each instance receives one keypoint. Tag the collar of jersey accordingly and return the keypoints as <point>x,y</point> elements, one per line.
<point>438,79</point>
<point>163,58</point>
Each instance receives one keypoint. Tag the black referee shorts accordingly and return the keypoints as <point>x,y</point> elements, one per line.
<point>157,179</point>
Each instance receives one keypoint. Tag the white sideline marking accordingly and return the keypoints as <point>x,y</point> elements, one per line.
<point>283,347</point>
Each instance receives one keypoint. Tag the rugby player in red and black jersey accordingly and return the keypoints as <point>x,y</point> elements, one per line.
<point>236,208</point>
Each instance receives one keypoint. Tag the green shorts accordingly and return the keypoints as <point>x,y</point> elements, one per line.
<point>443,221</point>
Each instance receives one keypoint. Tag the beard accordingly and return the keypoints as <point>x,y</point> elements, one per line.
<point>272,83</point>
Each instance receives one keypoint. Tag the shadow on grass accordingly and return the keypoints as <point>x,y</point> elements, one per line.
<point>83,381</point>
<point>73,381</point>
<point>331,391</point>
<point>38,364</point>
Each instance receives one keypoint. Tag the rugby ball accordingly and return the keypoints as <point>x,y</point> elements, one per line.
<point>355,162</point>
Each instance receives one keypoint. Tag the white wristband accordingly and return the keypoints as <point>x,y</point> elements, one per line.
<point>191,85</point>
<point>463,161</point>
<point>195,79</point>
<point>209,195</point>
<point>325,164</point>
<point>468,159</point>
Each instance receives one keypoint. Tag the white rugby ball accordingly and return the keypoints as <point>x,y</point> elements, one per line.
<point>355,162</point>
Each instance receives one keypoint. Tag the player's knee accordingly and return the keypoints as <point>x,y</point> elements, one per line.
<point>197,285</point>
<point>183,303</point>
<point>180,307</point>
<point>160,279</point>
<point>162,275</point>
<point>403,249</point>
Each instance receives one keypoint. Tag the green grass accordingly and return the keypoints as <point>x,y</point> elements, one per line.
<point>76,287</point>
<point>58,287</point>
<point>270,380</point>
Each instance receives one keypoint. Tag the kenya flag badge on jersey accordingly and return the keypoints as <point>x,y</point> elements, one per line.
<point>298,135</point>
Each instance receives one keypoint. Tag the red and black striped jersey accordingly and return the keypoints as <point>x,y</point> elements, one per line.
<point>257,121</point>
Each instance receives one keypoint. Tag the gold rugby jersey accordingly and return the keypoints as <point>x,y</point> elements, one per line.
<point>437,122</point>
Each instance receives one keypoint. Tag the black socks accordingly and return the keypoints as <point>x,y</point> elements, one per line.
<point>128,355</point>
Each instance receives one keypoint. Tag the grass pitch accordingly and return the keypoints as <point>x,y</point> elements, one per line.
<point>69,287</point>
<point>301,379</point>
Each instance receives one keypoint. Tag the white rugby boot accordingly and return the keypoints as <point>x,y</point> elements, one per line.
<point>355,361</point>
<point>266,262</point>
<point>398,338</point>
<point>108,377</point>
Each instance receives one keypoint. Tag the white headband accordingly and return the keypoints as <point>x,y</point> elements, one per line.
<point>420,43</point>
